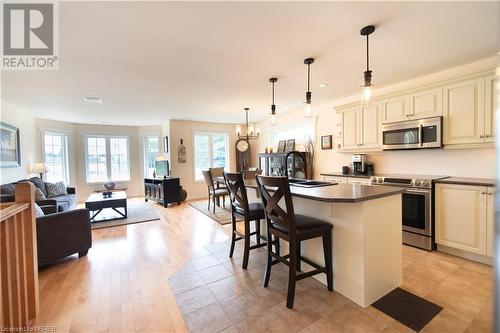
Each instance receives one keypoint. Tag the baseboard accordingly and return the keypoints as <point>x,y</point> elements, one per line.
<point>466,255</point>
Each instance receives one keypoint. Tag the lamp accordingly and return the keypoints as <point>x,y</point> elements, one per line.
<point>273,80</point>
<point>253,132</point>
<point>40,168</point>
<point>308,109</point>
<point>367,86</point>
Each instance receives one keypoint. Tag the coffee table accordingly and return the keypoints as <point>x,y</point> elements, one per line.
<point>96,202</point>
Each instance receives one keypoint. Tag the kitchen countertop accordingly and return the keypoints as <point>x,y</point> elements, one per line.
<point>468,181</point>
<point>342,193</point>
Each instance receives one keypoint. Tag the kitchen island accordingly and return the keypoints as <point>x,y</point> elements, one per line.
<point>366,239</point>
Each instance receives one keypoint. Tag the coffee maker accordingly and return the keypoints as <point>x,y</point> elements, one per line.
<point>359,165</point>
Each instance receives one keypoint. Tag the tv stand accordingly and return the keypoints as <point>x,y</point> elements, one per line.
<point>163,190</point>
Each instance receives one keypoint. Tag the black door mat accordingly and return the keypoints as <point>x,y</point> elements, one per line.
<point>407,308</point>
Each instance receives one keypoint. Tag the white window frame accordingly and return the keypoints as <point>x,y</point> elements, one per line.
<point>145,151</point>
<point>108,157</point>
<point>210,151</point>
<point>64,137</point>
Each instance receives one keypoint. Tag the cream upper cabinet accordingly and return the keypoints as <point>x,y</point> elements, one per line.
<point>464,112</point>
<point>395,109</point>
<point>461,217</point>
<point>490,222</point>
<point>427,103</point>
<point>371,131</point>
<point>361,128</point>
<point>491,101</point>
<point>350,128</point>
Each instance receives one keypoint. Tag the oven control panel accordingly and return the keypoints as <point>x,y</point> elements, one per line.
<point>404,182</point>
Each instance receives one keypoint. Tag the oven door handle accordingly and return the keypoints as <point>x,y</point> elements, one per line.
<point>411,190</point>
<point>420,133</point>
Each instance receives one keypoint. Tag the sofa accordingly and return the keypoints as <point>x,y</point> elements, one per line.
<point>63,203</point>
<point>61,234</point>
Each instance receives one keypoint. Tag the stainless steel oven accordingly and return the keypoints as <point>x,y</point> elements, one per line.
<point>413,134</point>
<point>417,211</point>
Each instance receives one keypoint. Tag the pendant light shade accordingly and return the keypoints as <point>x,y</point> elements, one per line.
<point>273,80</point>
<point>367,86</point>
<point>308,106</point>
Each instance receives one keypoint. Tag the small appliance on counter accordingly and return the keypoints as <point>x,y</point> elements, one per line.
<point>346,170</point>
<point>359,164</point>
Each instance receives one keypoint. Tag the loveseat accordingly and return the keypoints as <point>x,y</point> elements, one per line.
<point>63,203</point>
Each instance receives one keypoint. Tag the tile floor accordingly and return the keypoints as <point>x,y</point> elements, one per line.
<point>215,294</point>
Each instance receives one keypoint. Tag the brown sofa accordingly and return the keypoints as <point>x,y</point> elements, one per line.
<point>63,202</point>
<point>61,234</point>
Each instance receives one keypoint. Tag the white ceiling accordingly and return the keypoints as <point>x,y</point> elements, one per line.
<point>152,61</point>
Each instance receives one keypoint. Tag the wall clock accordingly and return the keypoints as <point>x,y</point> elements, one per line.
<point>242,155</point>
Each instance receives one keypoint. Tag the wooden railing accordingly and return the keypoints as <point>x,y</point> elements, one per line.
<point>18,260</point>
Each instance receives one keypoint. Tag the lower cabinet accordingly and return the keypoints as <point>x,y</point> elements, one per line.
<point>361,181</point>
<point>464,217</point>
<point>331,179</point>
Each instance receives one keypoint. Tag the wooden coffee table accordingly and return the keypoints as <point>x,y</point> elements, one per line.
<point>96,202</point>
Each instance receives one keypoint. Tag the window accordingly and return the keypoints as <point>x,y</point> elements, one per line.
<point>210,151</point>
<point>55,156</point>
<point>107,159</point>
<point>151,149</point>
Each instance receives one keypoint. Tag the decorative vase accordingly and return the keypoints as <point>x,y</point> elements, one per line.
<point>109,186</point>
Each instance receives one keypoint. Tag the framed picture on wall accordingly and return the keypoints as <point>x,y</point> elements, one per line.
<point>281,146</point>
<point>326,142</point>
<point>290,145</point>
<point>10,152</point>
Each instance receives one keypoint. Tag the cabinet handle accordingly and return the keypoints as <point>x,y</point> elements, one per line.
<point>486,136</point>
<point>484,193</point>
<point>481,136</point>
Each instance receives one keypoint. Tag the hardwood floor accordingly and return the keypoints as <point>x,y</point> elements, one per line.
<point>128,281</point>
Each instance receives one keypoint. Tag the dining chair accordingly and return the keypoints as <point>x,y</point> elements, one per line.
<point>213,192</point>
<point>283,223</point>
<point>247,211</point>
<point>250,174</point>
<point>216,173</point>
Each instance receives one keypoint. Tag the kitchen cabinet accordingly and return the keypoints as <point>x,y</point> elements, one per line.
<point>416,105</point>
<point>464,112</point>
<point>396,109</point>
<point>360,181</point>
<point>361,128</point>
<point>490,222</point>
<point>426,103</point>
<point>340,180</point>
<point>491,101</point>
<point>464,217</point>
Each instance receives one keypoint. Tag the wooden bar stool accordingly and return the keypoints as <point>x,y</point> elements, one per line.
<point>294,228</point>
<point>248,212</point>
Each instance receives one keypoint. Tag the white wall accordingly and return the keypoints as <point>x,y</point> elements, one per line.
<point>25,121</point>
<point>471,162</point>
<point>180,129</point>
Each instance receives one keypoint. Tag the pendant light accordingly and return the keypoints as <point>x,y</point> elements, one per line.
<point>367,87</point>
<point>308,108</point>
<point>273,80</point>
<point>252,131</point>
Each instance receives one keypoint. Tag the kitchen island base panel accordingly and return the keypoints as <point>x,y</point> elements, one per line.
<point>367,245</point>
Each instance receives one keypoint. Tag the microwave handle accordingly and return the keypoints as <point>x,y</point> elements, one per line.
<point>420,133</point>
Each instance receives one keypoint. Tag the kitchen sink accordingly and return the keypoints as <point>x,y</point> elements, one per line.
<point>308,183</point>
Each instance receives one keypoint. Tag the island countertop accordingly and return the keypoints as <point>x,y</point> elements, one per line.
<point>342,193</point>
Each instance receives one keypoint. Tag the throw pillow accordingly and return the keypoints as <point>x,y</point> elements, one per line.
<point>55,189</point>
<point>38,211</point>
<point>39,194</point>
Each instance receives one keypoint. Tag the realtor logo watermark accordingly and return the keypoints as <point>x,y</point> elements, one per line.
<point>30,36</point>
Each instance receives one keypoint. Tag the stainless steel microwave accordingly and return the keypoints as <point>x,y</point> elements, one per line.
<point>413,134</point>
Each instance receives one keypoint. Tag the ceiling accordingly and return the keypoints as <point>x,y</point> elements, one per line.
<point>153,61</point>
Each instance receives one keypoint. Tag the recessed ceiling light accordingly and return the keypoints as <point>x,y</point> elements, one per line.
<point>323,85</point>
<point>92,99</point>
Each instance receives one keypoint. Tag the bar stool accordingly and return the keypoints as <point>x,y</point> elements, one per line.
<point>294,228</point>
<point>248,212</point>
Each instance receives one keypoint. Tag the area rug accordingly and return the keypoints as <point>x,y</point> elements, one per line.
<point>407,308</point>
<point>137,212</point>
<point>222,215</point>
